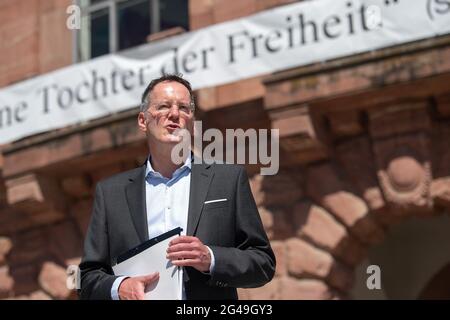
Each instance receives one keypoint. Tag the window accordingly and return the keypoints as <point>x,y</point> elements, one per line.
<point>114,25</point>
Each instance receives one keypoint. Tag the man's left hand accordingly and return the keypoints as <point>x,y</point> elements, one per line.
<point>186,251</point>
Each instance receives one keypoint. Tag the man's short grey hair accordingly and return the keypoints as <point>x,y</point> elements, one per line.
<point>145,100</point>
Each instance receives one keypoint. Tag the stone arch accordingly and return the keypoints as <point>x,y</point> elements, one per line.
<point>320,232</point>
<point>327,213</point>
<point>316,243</point>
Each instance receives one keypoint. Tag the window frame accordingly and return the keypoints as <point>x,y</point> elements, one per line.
<point>112,6</point>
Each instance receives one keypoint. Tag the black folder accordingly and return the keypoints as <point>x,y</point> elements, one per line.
<point>147,244</point>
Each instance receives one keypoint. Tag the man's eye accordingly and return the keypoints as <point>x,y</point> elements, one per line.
<point>185,109</point>
<point>163,107</point>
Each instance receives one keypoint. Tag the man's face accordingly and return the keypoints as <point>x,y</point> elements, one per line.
<point>169,110</point>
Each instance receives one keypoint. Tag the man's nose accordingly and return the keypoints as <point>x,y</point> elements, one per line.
<point>174,112</point>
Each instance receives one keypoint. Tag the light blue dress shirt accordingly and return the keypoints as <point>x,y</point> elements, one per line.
<point>167,203</point>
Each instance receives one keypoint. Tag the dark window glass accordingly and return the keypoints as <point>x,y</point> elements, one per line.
<point>99,32</point>
<point>134,23</point>
<point>174,13</point>
<point>134,20</point>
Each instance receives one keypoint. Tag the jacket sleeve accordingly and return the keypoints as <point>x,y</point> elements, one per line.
<point>96,274</point>
<point>251,263</point>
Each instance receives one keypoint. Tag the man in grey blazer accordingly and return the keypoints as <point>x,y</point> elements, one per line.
<point>224,246</point>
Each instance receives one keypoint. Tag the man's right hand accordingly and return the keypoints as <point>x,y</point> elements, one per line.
<point>134,288</point>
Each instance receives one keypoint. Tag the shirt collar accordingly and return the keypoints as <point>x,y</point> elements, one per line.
<point>150,171</point>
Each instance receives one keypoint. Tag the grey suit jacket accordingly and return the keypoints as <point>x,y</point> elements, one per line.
<point>232,229</point>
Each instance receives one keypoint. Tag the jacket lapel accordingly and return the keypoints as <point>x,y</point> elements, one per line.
<point>135,193</point>
<point>201,176</point>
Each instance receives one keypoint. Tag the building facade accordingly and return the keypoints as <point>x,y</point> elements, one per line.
<point>364,175</point>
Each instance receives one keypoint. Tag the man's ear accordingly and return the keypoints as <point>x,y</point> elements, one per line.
<point>142,122</point>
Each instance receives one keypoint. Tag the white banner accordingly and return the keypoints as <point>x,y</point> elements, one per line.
<point>273,40</point>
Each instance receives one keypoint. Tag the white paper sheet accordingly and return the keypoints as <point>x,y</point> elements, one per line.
<point>153,259</point>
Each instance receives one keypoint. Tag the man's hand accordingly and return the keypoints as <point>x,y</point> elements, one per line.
<point>134,288</point>
<point>188,251</point>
